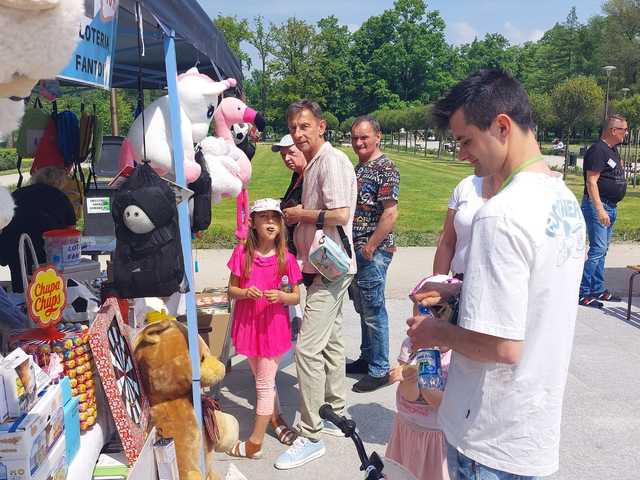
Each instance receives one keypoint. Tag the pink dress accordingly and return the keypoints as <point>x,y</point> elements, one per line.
<point>260,328</point>
<point>416,440</point>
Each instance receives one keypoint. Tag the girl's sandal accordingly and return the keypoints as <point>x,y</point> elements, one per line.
<point>284,434</point>
<point>246,449</point>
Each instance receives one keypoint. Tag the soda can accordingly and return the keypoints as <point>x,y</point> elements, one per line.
<point>429,369</point>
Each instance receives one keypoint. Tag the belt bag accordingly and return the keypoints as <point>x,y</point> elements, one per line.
<point>331,260</point>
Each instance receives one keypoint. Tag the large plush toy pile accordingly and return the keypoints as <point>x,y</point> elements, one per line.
<point>161,351</point>
<point>25,59</point>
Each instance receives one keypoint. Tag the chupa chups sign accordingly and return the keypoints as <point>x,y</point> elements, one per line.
<point>46,297</point>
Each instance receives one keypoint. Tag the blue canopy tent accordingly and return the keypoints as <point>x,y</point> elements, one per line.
<point>176,35</point>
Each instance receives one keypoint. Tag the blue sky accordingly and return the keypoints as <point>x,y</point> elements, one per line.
<point>518,20</point>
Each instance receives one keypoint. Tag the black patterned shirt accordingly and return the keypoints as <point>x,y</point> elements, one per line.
<point>378,181</point>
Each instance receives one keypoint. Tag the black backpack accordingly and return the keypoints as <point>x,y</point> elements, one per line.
<point>147,264</point>
<point>201,217</point>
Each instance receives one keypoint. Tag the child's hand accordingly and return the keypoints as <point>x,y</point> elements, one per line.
<point>402,373</point>
<point>274,296</point>
<point>253,292</point>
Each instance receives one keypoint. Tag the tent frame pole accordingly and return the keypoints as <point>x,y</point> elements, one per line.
<point>185,227</point>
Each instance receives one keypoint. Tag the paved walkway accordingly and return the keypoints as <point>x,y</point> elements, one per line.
<point>601,426</point>
<point>12,179</point>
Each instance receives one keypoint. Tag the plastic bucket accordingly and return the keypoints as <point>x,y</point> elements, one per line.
<point>62,246</point>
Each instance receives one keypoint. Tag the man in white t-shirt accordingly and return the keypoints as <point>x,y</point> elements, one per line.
<point>502,405</point>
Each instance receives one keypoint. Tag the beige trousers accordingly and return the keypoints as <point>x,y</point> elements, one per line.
<point>320,353</point>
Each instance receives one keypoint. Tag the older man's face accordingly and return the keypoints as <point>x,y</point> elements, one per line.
<point>293,158</point>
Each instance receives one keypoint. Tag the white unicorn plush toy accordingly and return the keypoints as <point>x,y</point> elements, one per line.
<point>38,38</point>
<point>199,97</point>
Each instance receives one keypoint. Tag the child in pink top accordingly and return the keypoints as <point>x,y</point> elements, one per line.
<point>417,442</point>
<point>264,280</point>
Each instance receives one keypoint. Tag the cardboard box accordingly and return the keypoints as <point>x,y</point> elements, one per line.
<point>26,442</point>
<point>4,413</point>
<point>19,377</point>
<point>55,468</point>
<point>72,428</point>
<point>214,328</point>
<point>166,461</point>
<point>52,467</point>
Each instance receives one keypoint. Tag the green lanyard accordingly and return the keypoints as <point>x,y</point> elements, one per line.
<point>518,169</point>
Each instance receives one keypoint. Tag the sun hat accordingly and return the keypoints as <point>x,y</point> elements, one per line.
<point>284,142</point>
<point>266,205</point>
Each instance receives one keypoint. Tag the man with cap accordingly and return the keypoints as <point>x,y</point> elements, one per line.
<point>293,160</point>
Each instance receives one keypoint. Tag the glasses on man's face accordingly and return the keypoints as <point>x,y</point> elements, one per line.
<point>626,129</point>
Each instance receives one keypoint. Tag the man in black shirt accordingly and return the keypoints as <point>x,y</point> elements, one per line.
<point>604,186</point>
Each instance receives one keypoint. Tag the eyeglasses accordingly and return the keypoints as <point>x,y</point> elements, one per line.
<point>626,129</point>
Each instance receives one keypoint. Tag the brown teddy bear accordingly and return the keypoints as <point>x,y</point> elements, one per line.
<point>162,353</point>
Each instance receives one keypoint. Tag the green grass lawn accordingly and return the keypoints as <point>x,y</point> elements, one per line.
<point>425,186</point>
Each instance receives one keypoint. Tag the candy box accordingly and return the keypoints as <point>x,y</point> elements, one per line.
<point>72,428</point>
<point>20,383</point>
<point>53,467</point>
<point>29,438</point>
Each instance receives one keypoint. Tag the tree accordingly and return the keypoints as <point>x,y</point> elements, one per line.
<point>577,102</point>
<point>332,121</point>
<point>543,110</point>
<point>262,40</point>
<point>494,51</point>
<point>629,108</point>
<point>235,31</point>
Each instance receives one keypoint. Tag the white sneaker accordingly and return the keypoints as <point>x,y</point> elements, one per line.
<point>300,452</point>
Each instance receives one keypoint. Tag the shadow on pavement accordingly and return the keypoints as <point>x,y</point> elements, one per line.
<point>369,418</point>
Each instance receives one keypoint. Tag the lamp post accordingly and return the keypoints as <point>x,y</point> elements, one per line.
<point>608,69</point>
<point>624,91</point>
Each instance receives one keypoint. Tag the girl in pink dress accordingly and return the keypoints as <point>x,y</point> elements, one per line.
<point>264,281</point>
<point>417,442</point>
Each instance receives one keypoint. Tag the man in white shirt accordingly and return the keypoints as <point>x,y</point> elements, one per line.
<point>502,404</point>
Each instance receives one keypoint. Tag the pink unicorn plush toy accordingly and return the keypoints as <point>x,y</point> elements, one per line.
<point>230,111</point>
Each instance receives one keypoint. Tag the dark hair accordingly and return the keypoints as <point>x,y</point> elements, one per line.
<point>483,96</point>
<point>367,118</point>
<point>304,104</point>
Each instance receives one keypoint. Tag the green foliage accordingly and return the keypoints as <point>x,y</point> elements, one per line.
<point>578,103</point>
<point>543,110</point>
<point>235,31</point>
<point>8,159</point>
<point>332,121</point>
<point>629,108</point>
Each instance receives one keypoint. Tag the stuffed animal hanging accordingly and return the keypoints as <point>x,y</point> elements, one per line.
<point>38,38</point>
<point>148,259</point>
<point>230,111</point>
<point>241,137</point>
<point>198,100</point>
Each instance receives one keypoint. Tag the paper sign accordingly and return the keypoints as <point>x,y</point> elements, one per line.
<point>46,296</point>
<point>98,205</point>
<point>91,62</point>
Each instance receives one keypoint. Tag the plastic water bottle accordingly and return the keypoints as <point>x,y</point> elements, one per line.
<point>284,284</point>
<point>429,362</point>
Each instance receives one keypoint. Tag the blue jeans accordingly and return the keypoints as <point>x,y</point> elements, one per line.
<point>367,292</point>
<point>463,468</point>
<point>592,283</point>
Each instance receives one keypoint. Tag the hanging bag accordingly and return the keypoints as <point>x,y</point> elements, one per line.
<point>148,263</point>
<point>331,260</point>
<point>201,215</point>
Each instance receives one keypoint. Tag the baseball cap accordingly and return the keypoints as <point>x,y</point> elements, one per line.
<point>284,142</point>
<point>266,205</point>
